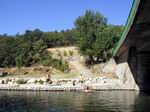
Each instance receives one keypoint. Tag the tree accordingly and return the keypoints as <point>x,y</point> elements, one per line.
<point>95,37</point>
<point>8,51</point>
<point>88,27</point>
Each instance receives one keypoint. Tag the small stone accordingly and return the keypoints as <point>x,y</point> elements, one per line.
<point>10,83</point>
<point>1,74</point>
<point>31,81</point>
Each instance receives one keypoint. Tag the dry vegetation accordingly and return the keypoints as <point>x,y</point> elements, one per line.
<point>69,54</point>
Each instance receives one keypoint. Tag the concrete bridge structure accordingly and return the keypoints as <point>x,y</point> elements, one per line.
<point>132,53</point>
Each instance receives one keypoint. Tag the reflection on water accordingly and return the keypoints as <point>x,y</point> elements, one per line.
<point>102,101</point>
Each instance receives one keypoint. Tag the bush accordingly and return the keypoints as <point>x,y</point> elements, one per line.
<point>18,62</point>
<point>71,53</point>
<point>56,63</point>
<point>37,69</point>
<point>41,81</point>
<point>63,65</point>
<point>3,82</point>
<point>65,53</point>
<point>47,62</point>
<point>21,81</point>
<point>35,81</point>
<point>8,80</point>
<point>58,53</point>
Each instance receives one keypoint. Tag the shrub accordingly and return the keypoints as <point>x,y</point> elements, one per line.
<point>55,63</point>
<point>50,53</point>
<point>63,66</point>
<point>47,62</point>
<point>58,53</point>
<point>71,53</point>
<point>21,81</point>
<point>65,53</point>
<point>3,82</point>
<point>35,81</point>
<point>18,62</point>
<point>8,80</point>
<point>5,73</point>
<point>37,69</point>
<point>41,81</point>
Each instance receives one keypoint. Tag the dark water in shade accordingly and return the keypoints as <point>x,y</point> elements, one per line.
<point>102,101</point>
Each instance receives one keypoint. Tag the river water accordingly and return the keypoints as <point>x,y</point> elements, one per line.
<point>101,101</point>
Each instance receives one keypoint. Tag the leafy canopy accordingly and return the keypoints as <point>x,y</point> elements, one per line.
<point>95,37</point>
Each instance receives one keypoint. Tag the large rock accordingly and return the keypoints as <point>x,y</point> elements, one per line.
<point>1,81</point>
<point>109,67</point>
<point>30,81</point>
<point>2,74</point>
<point>10,83</point>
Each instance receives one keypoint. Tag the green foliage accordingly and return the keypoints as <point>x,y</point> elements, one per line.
<point>95,37</point>
<point>35,81</point>
<point>65,53</point>
<point>56,63</point>
<point>8,51</point>
<point>59,53</point>
<point>19,62</point>
<point>71,53</point>
<point>8,80</point>
<point>22,50</point>
<point>63,38</point>
<point>30,48</point>
<point>21,81</point>
<point>63,65</point>
<point>105,42</point>
<point>3,82</point>
<point>41,81</point>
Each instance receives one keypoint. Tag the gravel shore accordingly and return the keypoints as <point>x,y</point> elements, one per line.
<point>32,84</point>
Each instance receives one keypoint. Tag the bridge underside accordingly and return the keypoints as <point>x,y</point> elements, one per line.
<point>135,50</point>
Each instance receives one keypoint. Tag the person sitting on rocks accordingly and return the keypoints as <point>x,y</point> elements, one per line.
<point>74,82</point>
<point>48,79</point>
<point>81,78</point>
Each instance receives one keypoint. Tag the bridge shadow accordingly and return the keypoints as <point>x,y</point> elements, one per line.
<point>139,65</point>
<point>142,102</point>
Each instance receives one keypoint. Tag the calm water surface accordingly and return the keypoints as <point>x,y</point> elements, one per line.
<point>102,101</point>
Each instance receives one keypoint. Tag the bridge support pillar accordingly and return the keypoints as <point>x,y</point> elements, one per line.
<point>133,69</point>
<point>125,75</point>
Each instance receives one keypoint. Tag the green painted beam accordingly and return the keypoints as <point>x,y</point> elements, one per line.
<point>128,25</point>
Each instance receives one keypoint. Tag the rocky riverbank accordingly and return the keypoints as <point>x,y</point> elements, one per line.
<point>100,83</point>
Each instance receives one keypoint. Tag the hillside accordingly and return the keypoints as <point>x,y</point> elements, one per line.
<point>76,66</point>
